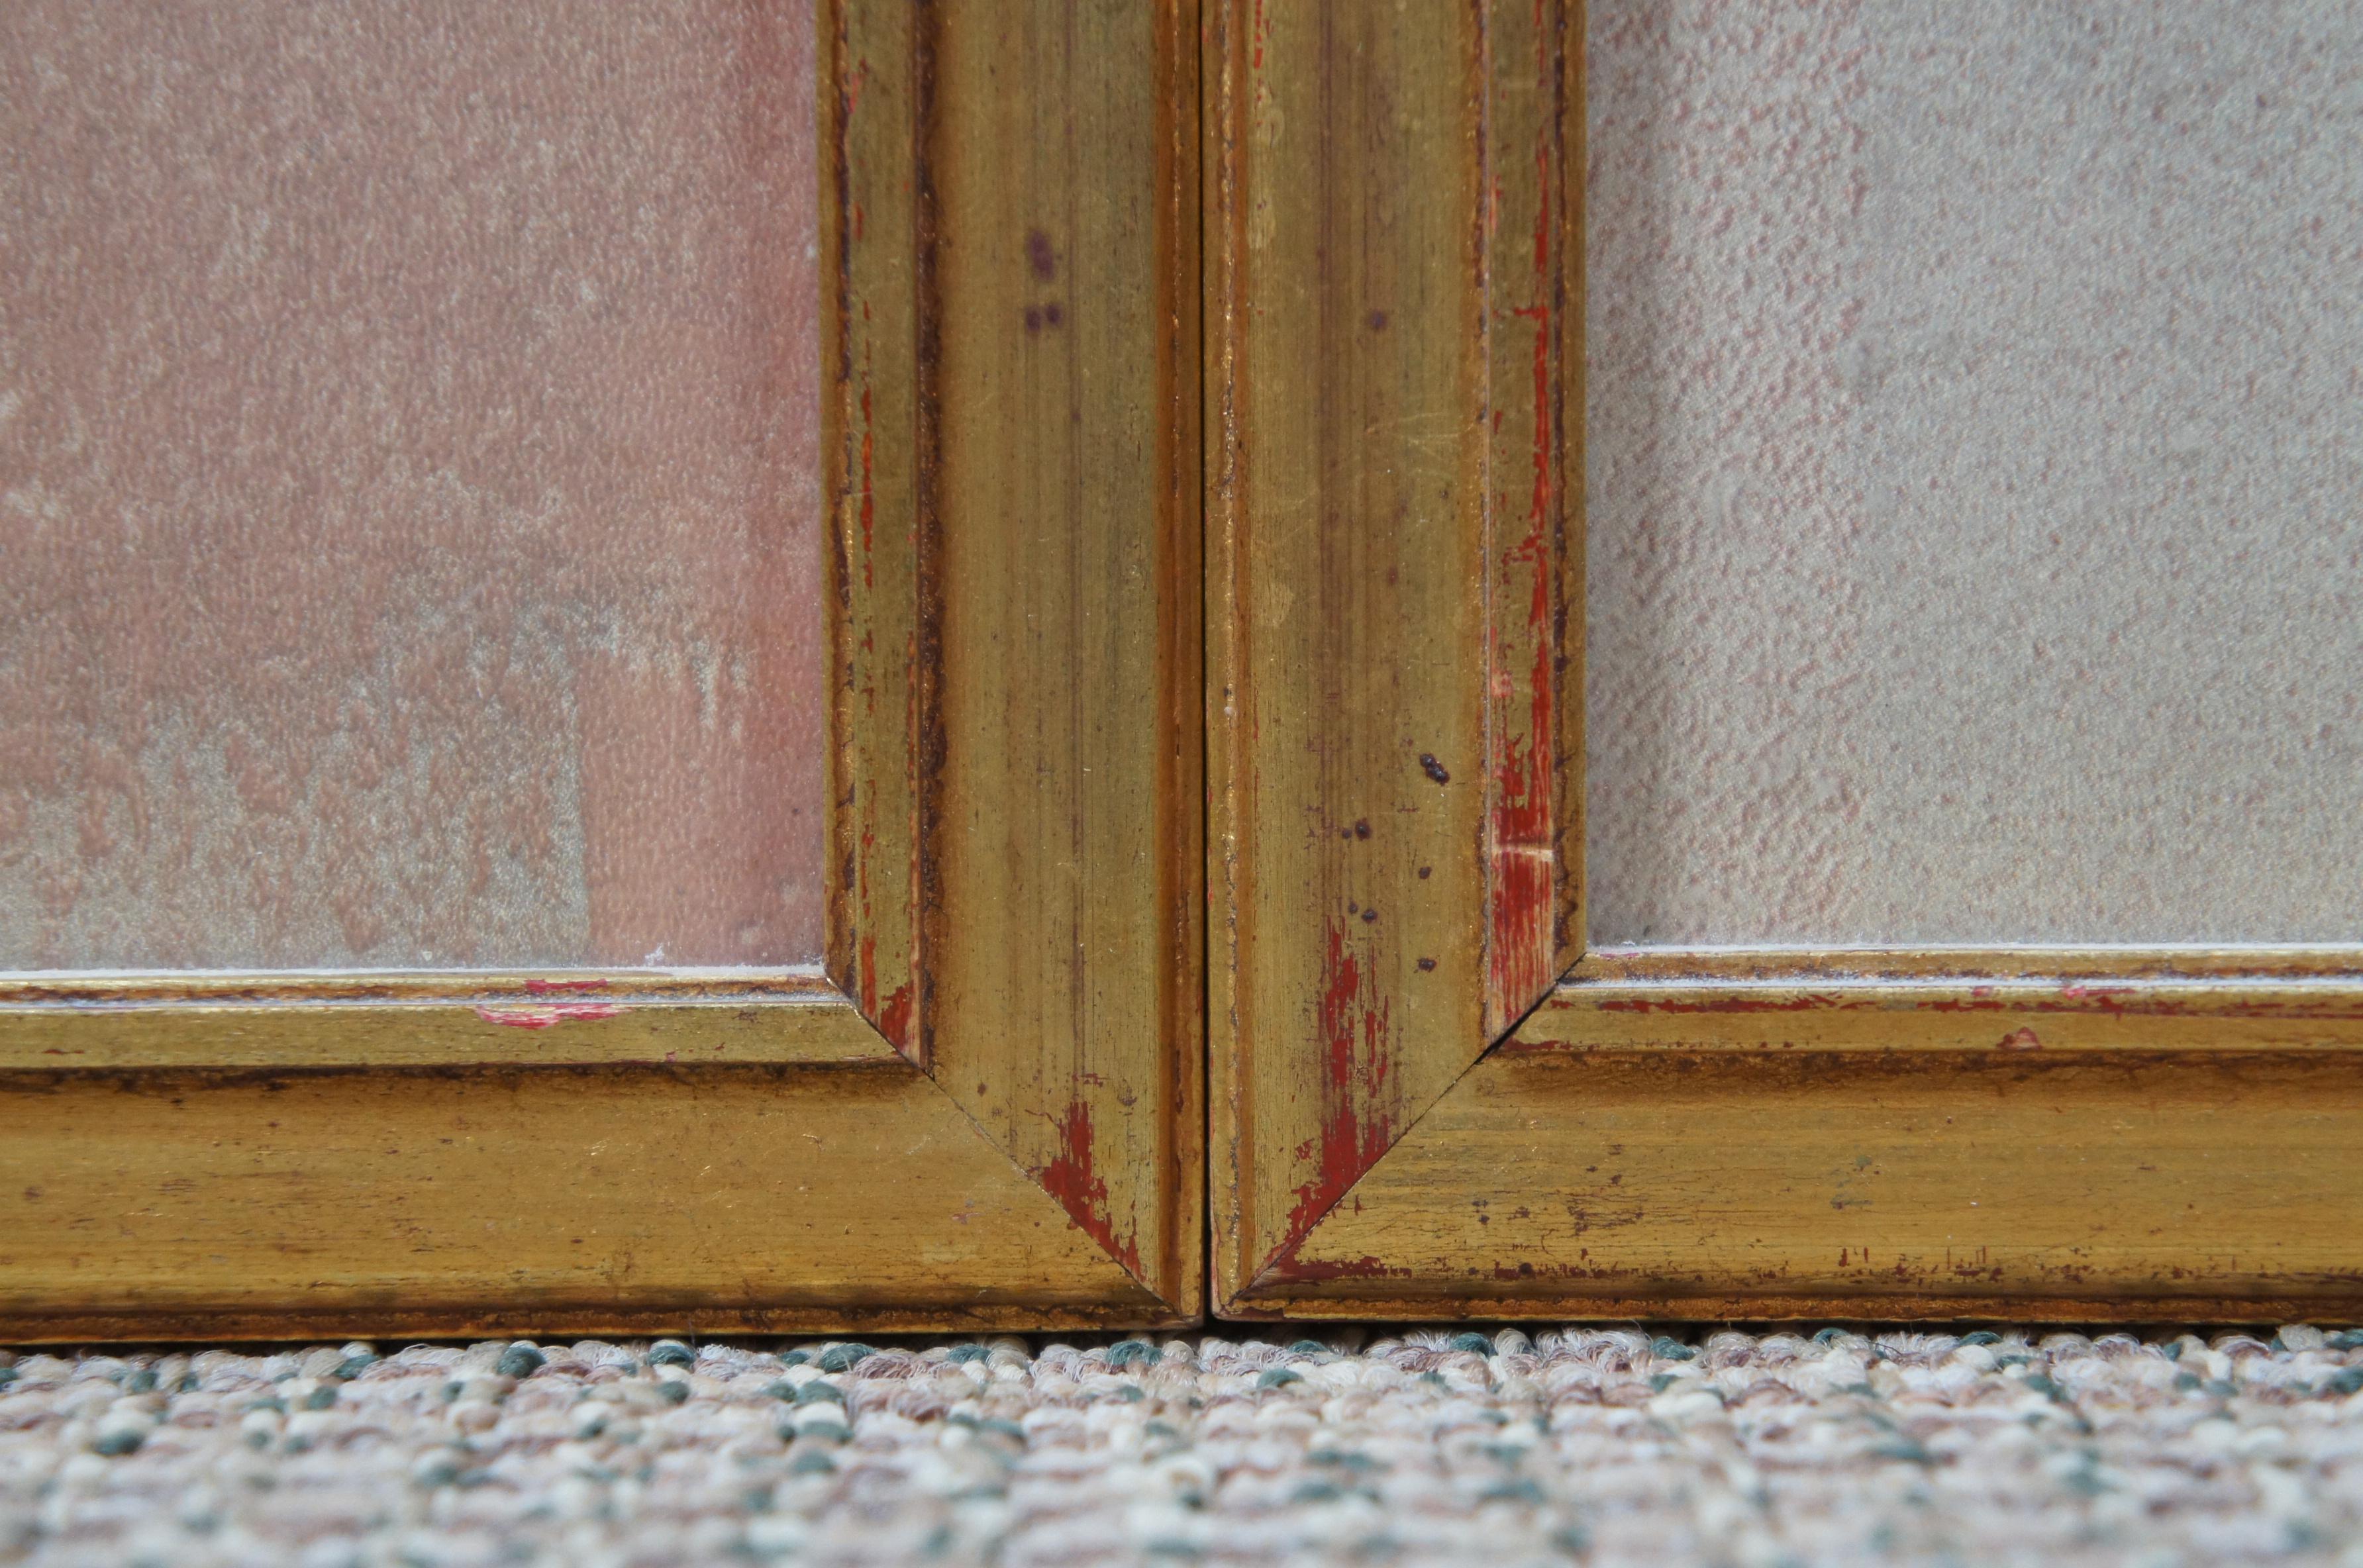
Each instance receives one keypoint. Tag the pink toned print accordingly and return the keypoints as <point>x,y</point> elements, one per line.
<point>408,486</point>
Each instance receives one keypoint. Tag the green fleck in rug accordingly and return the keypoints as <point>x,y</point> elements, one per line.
<point>1610,1447</point>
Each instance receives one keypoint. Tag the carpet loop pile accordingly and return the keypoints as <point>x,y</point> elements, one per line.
<point>1501,1449</point>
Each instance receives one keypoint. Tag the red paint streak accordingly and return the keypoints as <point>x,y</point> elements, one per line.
<point>1261,32</point>
<point>1525,869</point>
<point>1519,1045</point>
<point>1355,1128</point>
<point>2108,998</point>
<point>1072,1179</point>
<point>2117,1002</point>
<point>895,1022</point>
<point>1296,1270</point>
<point>1724,1004</point>
<point>546,988</point>
<point>547,1016</point>
<point>1514,1272</point>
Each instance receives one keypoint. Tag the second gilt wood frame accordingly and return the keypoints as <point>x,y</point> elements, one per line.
<point>986,1110</point>
<point>1428,1098</point>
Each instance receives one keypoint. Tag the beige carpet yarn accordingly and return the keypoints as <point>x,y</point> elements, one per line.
<point>1497,1448</point>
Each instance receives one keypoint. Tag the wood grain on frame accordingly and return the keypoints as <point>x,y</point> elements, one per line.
<point>2021,1000</point>
<point>2089,1135</point>
<point>1064,866</point>
<point>1020,828</point>
<point>1394,697</point>
<point>872,404</point>
<point>455,1200</point>
<point>413,1020</point>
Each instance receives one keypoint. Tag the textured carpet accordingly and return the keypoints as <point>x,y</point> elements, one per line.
<point>1418,1447</point>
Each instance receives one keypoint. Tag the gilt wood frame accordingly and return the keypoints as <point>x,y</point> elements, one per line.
<point>1427,1099</point>
<point>987,1111</point>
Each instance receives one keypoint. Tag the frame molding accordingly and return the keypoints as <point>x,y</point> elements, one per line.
<point>2010,1135</point>
<point>986,1110</point>
<point>1393,261</point>
<point>1429,1101</point>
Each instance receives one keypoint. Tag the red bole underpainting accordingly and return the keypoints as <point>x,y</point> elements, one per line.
<point>408,486</point>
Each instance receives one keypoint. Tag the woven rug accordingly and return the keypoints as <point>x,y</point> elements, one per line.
<point>1413,1447</point>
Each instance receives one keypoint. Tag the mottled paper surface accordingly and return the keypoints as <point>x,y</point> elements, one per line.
<point>408,493</point>
<point>1976,471</point>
